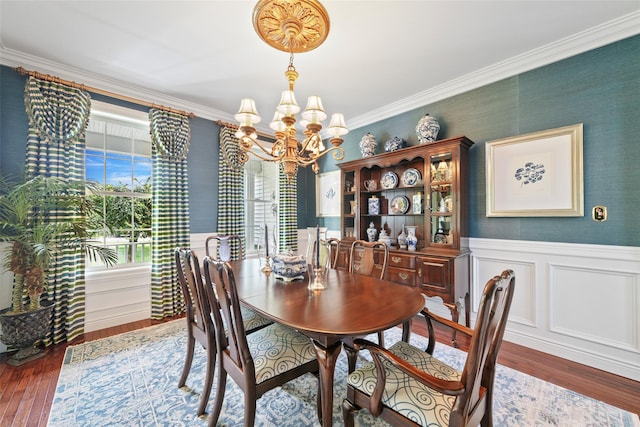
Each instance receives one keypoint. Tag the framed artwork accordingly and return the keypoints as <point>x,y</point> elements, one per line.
<point>328,199</point>
<point>537,174</point>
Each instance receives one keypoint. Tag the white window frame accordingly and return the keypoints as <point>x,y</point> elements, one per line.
<point>254,227</point>
<point>137,119</point>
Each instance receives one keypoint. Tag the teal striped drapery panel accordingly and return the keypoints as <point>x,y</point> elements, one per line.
<point>170,135</point>
<point>230,189</point>
<point>288,212</point>
<point>58,117</point>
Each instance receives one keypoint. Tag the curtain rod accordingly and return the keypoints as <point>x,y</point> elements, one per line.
<point>54,79</point>
<point>235,126</point>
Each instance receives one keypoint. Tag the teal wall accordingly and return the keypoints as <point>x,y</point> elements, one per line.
<point>202,159</point>
<point>600,88</point>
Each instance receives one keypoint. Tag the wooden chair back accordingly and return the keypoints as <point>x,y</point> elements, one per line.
<point>190,285</point>
<point>479,370</point>
<point>219,276</point>
<point>234,352</point>
<point>472,392</point>
<point>342,259</point>
<point>369,258</point>
<point>333,245</point>
<point>200,327</point>
<point>234,241</point>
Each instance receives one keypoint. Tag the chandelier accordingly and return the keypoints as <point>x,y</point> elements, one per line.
<point>291,26</point>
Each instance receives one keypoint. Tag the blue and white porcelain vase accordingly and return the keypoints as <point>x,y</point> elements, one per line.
<point>374,205</point>
<point>412,239</point>
<point>368,145</point>
<point>427,129</point>
<point>394,144</point>
<point>372,233</point>
<point>402,239</point>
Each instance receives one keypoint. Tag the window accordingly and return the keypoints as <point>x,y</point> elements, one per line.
<point>261,203</point>
<point>118,159</point>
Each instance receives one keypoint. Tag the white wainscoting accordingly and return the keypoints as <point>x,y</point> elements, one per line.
<point>578,302</point>
<point>117,296</point>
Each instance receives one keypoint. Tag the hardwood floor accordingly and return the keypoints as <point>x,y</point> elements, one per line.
<point>26,392</point>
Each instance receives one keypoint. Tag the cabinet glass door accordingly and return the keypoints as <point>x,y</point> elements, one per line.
<point>441,199</point>
<point>349,205</point>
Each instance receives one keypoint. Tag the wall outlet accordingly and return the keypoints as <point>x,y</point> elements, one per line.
<point>599,213</point>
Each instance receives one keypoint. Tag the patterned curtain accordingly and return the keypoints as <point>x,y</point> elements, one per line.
<point>58,118</point>
<point>288,213</point>
<point>170,136</point>
<point>230,189</point>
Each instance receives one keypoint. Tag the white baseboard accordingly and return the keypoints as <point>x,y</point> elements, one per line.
<point>118,319</point>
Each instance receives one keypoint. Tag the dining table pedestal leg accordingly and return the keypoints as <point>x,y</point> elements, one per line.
<point>327,357</point>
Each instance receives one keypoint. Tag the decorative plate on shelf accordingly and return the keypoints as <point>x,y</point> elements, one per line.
<point>399,205</point>
<point>389,180</point>
<point>411,177</point>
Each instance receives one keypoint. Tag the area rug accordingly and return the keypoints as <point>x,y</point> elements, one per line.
<point>131,380</point>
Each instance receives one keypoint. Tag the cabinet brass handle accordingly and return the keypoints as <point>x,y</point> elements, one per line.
<point>396,259</point>
<point>419,272</point>
<point>403,276</point>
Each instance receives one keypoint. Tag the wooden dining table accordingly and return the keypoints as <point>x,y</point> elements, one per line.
<point>350,305</point>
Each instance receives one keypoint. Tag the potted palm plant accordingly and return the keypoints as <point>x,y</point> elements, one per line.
<point>30,240</point>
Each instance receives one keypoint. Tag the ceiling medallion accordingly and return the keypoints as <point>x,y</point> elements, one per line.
<point>292,26</point>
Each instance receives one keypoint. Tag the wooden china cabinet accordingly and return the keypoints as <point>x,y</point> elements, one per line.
<point>422,187</point>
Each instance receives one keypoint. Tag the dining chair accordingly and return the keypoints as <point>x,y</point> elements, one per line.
<point>256,362</point>
<point>200,327</point>
<point>407,386</point>
<point>222,251</point>
<point>341,261</point>
<point>333,244</point>
<point>369,259</point>
<point>363,258</point>
<point>199,324</point>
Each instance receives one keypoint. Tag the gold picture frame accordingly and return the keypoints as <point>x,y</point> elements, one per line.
<point>535,175</point>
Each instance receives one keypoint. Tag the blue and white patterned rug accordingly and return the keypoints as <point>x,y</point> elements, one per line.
<point>131,380</point>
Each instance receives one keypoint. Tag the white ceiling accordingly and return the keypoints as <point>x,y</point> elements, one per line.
<point>381,57</point>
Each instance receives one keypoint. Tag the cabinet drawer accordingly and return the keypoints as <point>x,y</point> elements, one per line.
<point>401,260</point>
<point>435,277</point>
<point>402,276</point>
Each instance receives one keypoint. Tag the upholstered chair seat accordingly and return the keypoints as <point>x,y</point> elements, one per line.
<point>277,349</point>
<point>252,320</point>
<point>404,394</point>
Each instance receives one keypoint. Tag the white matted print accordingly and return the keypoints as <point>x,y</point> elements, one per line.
<point>537,174</point>
<point>328,195</point>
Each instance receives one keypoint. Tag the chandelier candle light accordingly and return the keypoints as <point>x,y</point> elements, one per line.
<point>291,26</point>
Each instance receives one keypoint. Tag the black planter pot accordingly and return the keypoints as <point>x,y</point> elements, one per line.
<point>23,330</point>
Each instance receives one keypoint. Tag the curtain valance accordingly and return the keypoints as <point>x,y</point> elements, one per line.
<point>230,148</point>
<point>57,112</point>
<point>170,133</point>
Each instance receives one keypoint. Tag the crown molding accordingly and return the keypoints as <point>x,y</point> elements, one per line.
<point>598,36</point>
<point>13,58</point>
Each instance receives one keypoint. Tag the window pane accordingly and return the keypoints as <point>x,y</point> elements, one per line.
<point>95,166</point>
<point>261,208</point>
<point>119,169</point>
<point>119,157</point>
<point>142,174</point>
